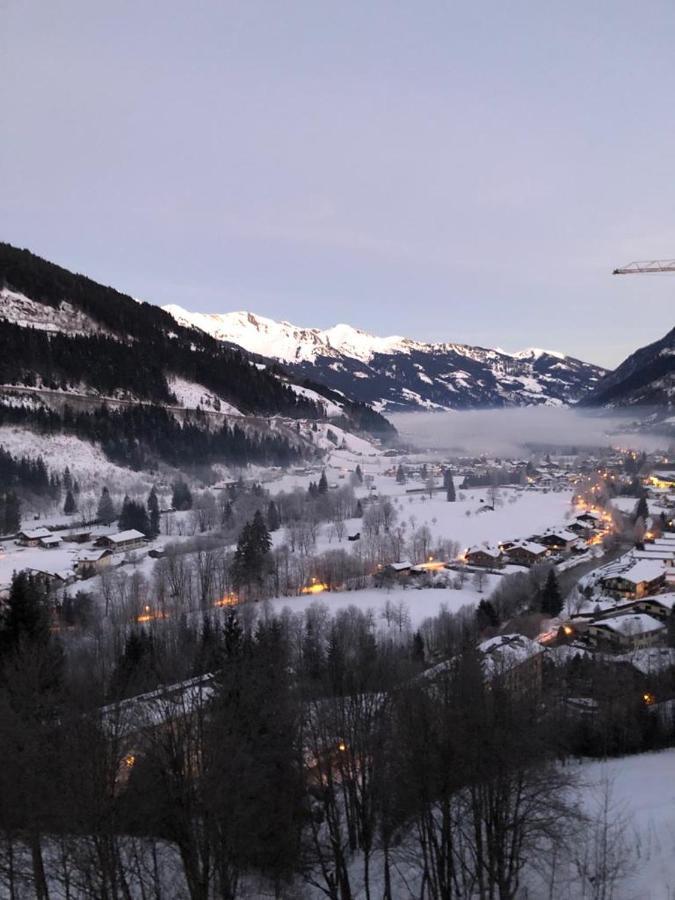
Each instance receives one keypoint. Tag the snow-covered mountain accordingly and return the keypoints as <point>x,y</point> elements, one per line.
<point>397,373</point>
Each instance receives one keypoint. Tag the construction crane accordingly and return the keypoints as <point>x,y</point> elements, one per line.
<point>649,267</point>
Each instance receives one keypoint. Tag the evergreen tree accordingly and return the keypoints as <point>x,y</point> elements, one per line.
<point>417,651</point>
<point>358,510</point>
<point>10,513</point>
<point>227,516</point>
<point>106,509</point>
<point>136,669</point>
<point>252,557</point>
<point>153,513</point>
<point>134,516</point>
<point>486,617</point>
<point>641,510</point>
<point>67,480</point>
<point>182,497</point>
<point>322,486</point>
<point>233,633</point>
<point>359,473</point>
<point>400,474</point>
<point>27,618</point>
<point>450,490</point>
<point>69,507</point>
<point>551,603</point>
<point>273,520</point>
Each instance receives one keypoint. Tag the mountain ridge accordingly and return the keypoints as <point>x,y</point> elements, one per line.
<point>645,378</point>
<point>397,373</point>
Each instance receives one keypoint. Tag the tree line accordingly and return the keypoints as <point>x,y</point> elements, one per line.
<point>318,758</point>
<point>139,436</point>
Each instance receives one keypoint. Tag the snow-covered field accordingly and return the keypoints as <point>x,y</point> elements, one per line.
<point>642,791</point>
<point>416,604</point>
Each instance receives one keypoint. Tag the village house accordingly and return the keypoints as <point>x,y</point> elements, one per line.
<point>663,479</point>
<point>558,540</point>
<point>31,537</point>
<point>91,562</point>
<point>514,658</point>
<point>52,579</point>
<point>483,556</point>
<point>78,537</point>
<point>527,553</point>
<point>122,541</point>
<point>589,520</point>
<point>50,542</point>
<point>623,633</point>
<point>659,605</point>
<point>396,571</point>
<point>658,554</point>
<point>642,578</point>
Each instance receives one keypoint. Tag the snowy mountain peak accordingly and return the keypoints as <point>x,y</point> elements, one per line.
<point>536,353</point>
<point>396,372</point>
<point>285,341</point>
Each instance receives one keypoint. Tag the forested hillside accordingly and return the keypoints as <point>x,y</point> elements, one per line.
<point>131,350</point>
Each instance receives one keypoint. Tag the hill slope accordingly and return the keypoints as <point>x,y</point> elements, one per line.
<point>645,378</point>
<point>396,373</point>
<point>82,358</point>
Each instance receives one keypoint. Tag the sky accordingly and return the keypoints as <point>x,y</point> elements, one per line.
<point>469,172</point>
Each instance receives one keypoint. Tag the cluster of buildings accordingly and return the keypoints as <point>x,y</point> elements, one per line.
<point>554,544</point>
<point>64,557</point>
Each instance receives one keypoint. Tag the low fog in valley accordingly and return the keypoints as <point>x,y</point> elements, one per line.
<point>508,431</point>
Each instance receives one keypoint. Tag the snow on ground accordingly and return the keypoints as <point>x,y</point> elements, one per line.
<point>87,462</point>
<point>469,521</point>
<point>332,409</point>
<point>628,504</point>
<point>643,794</point>
<point>421,603</point>
<point>348,446</point>
<point>21,310</point>
<point>195,396</point>
<point>625,504</point>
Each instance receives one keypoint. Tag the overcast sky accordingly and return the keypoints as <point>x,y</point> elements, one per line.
<point>468,172</point>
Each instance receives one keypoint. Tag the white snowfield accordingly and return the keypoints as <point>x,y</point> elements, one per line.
<point>415,604</point>
<point>642,790</point>
<point>191,395</point>
<point>21,310</point>
<point>331,409</point>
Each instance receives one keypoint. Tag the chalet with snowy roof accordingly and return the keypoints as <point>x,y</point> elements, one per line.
<point>514,658</point>
<point>483,556</point>
<point>31,537</point>
<point>50,542</point>
<point>623,633</point>
<point>91,562</point>
<point>589,519</point>
<point>527,553</point>
<point>52,578</point>
<point>78,537</point>
<point>642,578</point>
<point>559,539</point>
<point>661,606</point>
<point>657,554</point>
<point>396,571</point>
<point>664,479</point>
<point>122,541</point>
